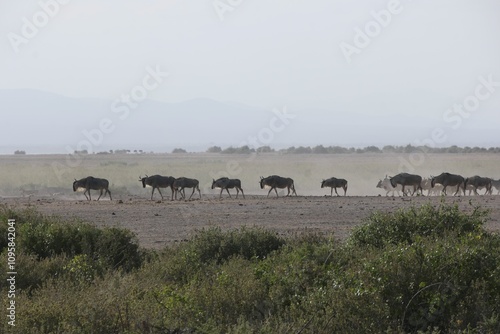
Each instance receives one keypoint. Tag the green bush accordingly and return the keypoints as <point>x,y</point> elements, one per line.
<point>33,271</point>
<point>425,270</point>
<point>46,237</point>
<point>215,245</point>
<point>426,284</point>
<point>405,225</point>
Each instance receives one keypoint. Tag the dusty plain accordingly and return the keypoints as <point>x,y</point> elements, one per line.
<point>44,182</point>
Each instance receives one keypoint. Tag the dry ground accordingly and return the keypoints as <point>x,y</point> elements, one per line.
<point>161,223</point>
<point>45,181</point>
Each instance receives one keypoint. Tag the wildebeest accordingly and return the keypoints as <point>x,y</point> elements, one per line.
<point>447,179</point>
<point>157,182</point>
<point>227,183</point>
<point>184,182</point>
<point>93,183</point>
<point>275,181</point>
<point>405,179</point>
<point>335,183</point>
<point>478,182</point>
<point>386,185</point>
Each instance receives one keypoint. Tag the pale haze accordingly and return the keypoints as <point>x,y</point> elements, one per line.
<point>261,72</point>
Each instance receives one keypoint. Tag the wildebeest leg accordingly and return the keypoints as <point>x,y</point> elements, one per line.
<point>444,190</point>
<point>404,192</point>
<point>109,192</point>
<point>228,193</point>
<point>331,192</point>
<point>100,194</point>
<point>180,191</point>
<point>194,189</point>
<point>192,192</point>
<point>242,193</point>
<point>336,191</point>
<point>270,192</point>
<point>172,189</point>
<point>458,190</point>
<point>159,192</point>
<point>345,191</point>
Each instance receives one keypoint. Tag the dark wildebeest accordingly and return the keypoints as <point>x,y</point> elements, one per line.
<point>157,182</point>
<point>275,181</point>
<point>93,183</point>
<point>478,182</point>
<point>226,183</point>
<point>405,179</point>
<point>335,183</point>
<point>447,179</point>
<point>184,182</point>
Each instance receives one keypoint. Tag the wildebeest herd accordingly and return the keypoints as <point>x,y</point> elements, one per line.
<point>405,183</point>
<point>438,184</point>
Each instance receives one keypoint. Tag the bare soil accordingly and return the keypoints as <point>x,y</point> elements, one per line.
<point>161,223</point>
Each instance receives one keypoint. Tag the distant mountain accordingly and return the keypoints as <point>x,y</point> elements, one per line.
<point>41,119</point>
<point>37,121</point>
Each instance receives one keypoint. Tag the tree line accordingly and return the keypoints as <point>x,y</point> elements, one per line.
<point>320,149</point>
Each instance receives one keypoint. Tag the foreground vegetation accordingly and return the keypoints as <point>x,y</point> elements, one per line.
<point>430,269</point>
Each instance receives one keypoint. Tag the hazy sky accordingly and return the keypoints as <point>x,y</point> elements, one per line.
<point>389,58</point>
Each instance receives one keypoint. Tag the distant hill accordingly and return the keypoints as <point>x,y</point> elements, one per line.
<point>38,122</point>
<point>40,119</point>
